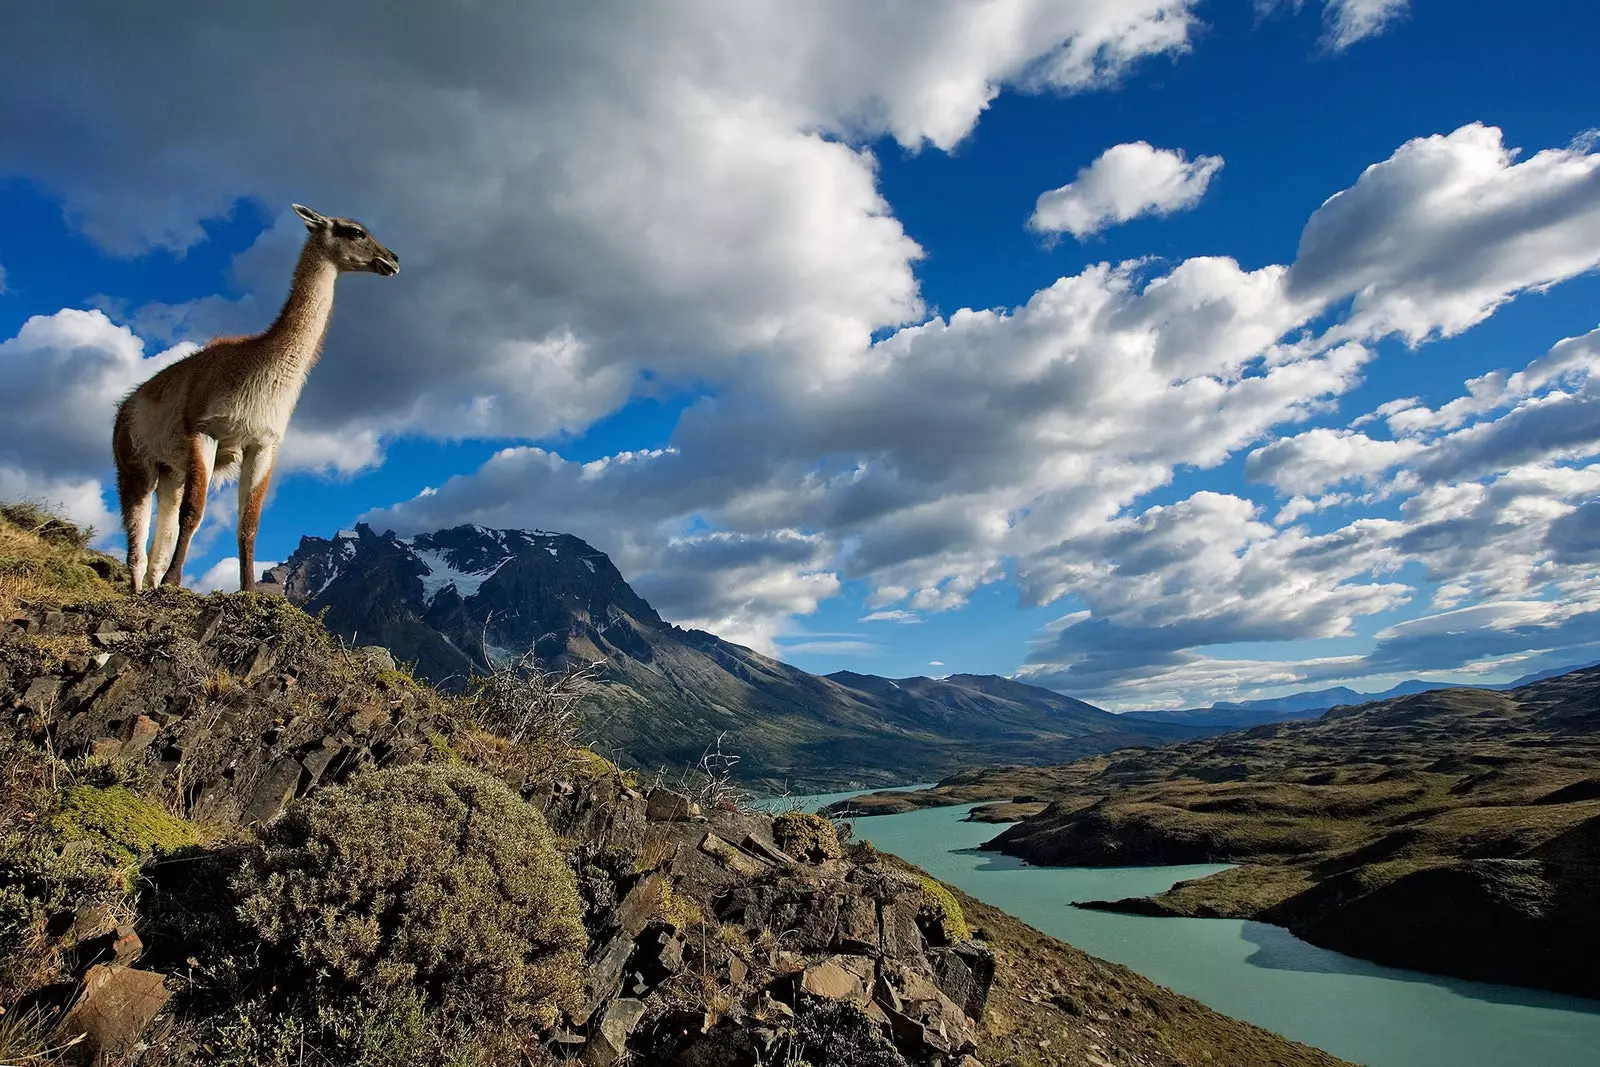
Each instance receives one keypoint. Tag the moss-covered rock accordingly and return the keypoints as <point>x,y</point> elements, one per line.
<point>942,912</point>
<point>806,836</point>
<point>127,826</point>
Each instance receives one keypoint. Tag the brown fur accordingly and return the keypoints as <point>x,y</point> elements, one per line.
<point>224,409</point>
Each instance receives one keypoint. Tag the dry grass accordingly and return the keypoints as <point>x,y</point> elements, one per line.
<point>44,556</point>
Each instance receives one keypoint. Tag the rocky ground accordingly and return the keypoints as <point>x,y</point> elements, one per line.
<point>167,758</point>
<point>1455,831</point>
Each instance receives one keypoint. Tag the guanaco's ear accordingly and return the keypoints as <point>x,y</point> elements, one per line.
<point>313,220</point>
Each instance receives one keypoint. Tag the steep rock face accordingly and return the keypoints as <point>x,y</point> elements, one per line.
<point>462,599</point>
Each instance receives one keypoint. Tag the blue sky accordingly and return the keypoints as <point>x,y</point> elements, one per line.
<point>697,297</point>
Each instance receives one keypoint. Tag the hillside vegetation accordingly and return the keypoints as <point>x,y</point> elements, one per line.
<point>226,839</point>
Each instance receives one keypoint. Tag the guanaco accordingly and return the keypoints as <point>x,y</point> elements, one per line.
<point>224,409</point>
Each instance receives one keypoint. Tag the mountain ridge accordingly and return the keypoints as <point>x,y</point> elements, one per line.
<point>455,602</point>
<point>1313,703</point>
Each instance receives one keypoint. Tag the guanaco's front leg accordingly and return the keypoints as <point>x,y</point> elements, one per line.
<point>255,472</point>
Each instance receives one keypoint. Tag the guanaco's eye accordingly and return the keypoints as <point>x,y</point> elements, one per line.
<point>354,233</point>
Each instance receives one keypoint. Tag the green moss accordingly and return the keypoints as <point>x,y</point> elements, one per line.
<point>942,911</point>
<point>588,763</point>
<point>443,750</point>
<point>125,825</point>
<point>397,679</point>
<point>806,836</point>
<point>678,910</point>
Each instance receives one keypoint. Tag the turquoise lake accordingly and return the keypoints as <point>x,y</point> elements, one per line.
<point>1380,1016</point>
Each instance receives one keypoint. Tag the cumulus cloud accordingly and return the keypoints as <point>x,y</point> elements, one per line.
<point>573,187</point>
<point>65,374</point>
<point>82,500</point>
<point>1547,412</point>
<point>1125,182</point>
<point>1435,238</point>
<point>590,200</point>
<point>992,443</point>
<point>741,587</point>
<point>223,576</point>
<point>1312,461</point>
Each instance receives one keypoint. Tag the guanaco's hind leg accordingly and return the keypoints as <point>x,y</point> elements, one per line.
<point>255,472</point>
<point>202,457</point>
<point>135,483</point>
<point>169,494</point>
<point>136,480</point>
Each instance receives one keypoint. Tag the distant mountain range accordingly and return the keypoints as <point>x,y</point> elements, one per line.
<point>456,601</point>
<point>1242,714</point>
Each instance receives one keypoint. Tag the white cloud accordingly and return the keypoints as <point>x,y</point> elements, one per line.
<point>65,374</point>
<point>1312,461</point>
<point>586,198</point>
<point>1125,182</point>
<point>81,500</point>
<point>897,615</point>
<point>1346,22</point>
<point>1350,21</point>
<point>988,442</point>
<point>223,576</point>
<point>1435,238</point>
<point>573,189</point>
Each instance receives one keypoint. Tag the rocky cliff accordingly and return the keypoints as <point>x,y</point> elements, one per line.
<point>458,601</point>
<point>162,754</point>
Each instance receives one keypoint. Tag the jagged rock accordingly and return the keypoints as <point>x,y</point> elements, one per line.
<point>659,957</point>
<point>845,978</point>
<point>41,694</point>
<point>113,1009</point>
<point>664,805</point>
<point>741,863</point>
<point>964,973</point>
<point>637,908</point>
<point>276,788</point>
<point>767,849</point>
<point>120,945</point>
<point>137,734</point>
<point>95,920</point>
<point>857,928</point>
<point>902,937</point>
<point>317,759</point>
<point>380,658</point>
<point>605,974</point>
<point>610,1042</point>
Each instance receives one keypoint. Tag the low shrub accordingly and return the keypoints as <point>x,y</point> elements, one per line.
<point>432,876</point>
<point>806,836</point>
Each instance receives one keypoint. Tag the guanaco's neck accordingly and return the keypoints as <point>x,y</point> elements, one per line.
<point>296,336</point>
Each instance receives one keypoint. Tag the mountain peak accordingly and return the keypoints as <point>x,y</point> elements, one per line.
<point>461,600</point>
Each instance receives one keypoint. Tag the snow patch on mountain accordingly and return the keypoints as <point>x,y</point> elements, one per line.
<point>441,574</point>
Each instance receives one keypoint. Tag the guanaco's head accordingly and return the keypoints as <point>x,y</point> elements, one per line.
<point>347,244</point>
